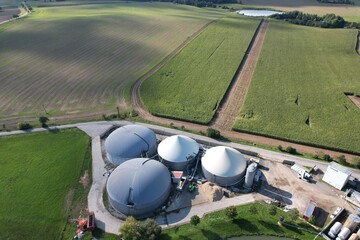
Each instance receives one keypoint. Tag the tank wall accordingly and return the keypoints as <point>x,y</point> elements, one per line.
<point>177,166</point>
<point>222,181</point>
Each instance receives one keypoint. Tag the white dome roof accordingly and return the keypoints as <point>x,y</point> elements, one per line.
<point>224,161</point>
<point>178,148</point>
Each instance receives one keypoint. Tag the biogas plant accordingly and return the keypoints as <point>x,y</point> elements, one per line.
<point>150,174</point>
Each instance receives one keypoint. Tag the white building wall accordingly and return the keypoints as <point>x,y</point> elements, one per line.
<point>336,177</point>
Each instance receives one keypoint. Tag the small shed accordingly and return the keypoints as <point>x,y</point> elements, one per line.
<point>336,175</point>
<point>309,210</point>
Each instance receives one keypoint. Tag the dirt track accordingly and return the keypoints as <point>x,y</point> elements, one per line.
<point>138,106</point>
<point>229,107</point>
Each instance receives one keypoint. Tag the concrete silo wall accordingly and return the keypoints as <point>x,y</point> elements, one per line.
<point>223,181</point>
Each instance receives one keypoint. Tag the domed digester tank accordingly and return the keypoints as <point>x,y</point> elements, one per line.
<point>344,233</point>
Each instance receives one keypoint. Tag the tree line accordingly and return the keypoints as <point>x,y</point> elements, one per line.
<point>306,19</point>
<point>337,1</point>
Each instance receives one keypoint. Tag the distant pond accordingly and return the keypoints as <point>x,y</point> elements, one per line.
<point>260,237</point>
<point>257,13</point>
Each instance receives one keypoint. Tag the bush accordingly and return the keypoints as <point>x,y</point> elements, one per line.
<point>280,148</point>
<point>291,150</point>
<point>327,157</point>
<point>294,214</point>
<point>140,230</point>
<point>231,212</point>
<point>312,219</point>
<point>15,16</point>
<point>213,133</point>
<point>194,220</point>
<point>23,125</point>
<point>342,160</point>
<point>272,210</point>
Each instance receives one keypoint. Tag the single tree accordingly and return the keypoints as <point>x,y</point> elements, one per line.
<point>149,229</point>
<point>195,220</point>
<point>342,160</point>
<point>231,212</point>
<point>43,120</point>
<point>213,133</point>
<point>129,230</point>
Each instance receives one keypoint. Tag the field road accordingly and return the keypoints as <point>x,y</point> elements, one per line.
<point>229,107</point>
<point>228,133</point>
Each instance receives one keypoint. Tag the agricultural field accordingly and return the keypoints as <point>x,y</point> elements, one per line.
<point>39,182</point>
<point>216,225</point>
<point>297,90</point>
<point>191,85</point>
<point>74,60</point>
<point>349,12</point>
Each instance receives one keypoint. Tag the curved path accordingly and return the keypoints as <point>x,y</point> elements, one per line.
<point>228,110</point>
<point>226,132</point>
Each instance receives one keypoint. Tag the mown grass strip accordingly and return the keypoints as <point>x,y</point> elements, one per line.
<point>192,84</point>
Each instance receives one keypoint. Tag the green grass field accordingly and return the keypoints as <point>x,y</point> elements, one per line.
<point>81,59</point>
<point>217,226</point>
<point>349,12</point>
<point>191,85</point>
<point>302,73</point>
<point>39,182</point>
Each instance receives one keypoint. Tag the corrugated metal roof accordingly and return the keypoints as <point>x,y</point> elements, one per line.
<point>340,168</point>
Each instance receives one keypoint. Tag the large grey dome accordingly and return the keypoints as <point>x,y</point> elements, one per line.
<point>178,151</point>
<point>131,141</point>
<point>224,166</point>
<point>138,186</point>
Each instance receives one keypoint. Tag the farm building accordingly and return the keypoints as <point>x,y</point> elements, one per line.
<point>131,141</point>
<point>178,151</point>
<point>138,186</point>
<point>224,166</point>
<point>336,175</point>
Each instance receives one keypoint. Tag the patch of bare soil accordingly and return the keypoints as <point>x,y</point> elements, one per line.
<point>355,100</point>
<point>84,180</point>
<point>230,105</point>
<point>69,199</point>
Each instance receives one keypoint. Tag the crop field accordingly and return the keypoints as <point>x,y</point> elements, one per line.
<point>83,59</point>
<point>349,12</point>
<point>297,90</point>
<point>191,85</point>
<point>39,180</point>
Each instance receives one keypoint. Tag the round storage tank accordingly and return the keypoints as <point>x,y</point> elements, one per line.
<point>138,187</point>
<point>178,151</point>
<point>250,174</point>
<point>353,236</point>
<point>345,232</point>
<point>131,141</point>
<point>335,229</point>
<point>352,222</point>
<point>224,166</point>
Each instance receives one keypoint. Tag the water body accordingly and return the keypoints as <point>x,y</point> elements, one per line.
<point>258,238</point>
<point>257,13</point>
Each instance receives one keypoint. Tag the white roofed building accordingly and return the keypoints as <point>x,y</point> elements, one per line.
<point>336,175</point>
